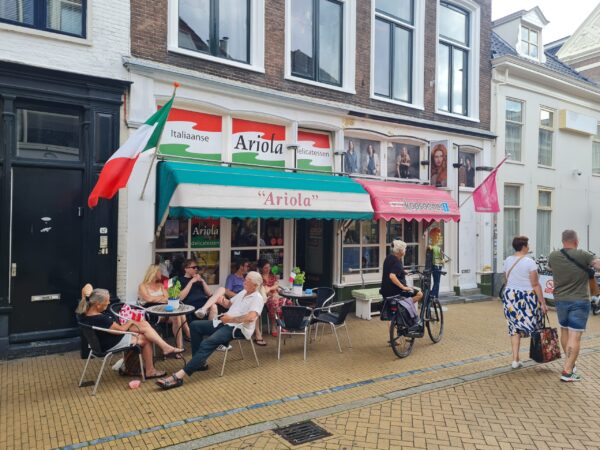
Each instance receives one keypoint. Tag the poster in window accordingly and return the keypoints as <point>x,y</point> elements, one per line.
<point>314,151</point>
<point>404,161</point>
<point>361,156</point>
<point>438,164</point>
<point>466,170</point>
<point>192,135</point>
<point>258,143</point>
<point>205,233</point>
<point>172,229</point>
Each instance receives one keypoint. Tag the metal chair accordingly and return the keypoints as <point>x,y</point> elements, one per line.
<point>239,339</point>
<point>334,319</point>
<point>324,296</point>
<point>293,320</point>
<point>90,333</point>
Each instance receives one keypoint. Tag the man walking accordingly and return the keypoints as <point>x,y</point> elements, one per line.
<point>571,292</point>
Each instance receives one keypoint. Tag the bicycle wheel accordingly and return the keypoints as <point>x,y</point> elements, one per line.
<point>401,345</point>
<point>435,321</point>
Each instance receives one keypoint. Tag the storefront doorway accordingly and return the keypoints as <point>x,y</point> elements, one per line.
<point>314,251</point>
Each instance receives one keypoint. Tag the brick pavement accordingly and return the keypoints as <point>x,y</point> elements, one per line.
<point>41,407</point>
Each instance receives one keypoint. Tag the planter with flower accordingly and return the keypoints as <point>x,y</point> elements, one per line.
<point>297,280</point>
<point>173,290</point>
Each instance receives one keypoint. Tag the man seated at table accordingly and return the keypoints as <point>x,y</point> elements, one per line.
<point>235,280</point>
<point>207,335</point>
<point>194,290</point>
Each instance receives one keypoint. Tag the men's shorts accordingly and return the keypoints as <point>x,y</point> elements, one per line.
<point>573,314</point>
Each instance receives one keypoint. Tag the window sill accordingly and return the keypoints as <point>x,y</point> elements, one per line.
<point>596,175</point>
<point>541,166</point>
<point>398,102</point>
<point>224,61</point>
<point>347,90</point>
<point>466,189</point>
<point>46,34</point>
<point>515,162</point>
<point>457,116</point>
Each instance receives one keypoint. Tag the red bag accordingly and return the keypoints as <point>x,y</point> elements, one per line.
<point>545,345</point>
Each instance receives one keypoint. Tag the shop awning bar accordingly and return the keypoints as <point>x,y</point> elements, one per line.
<point>197,190</point>
<point>410,202</point>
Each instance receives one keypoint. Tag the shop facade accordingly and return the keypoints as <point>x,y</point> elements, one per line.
<point>235,135</point>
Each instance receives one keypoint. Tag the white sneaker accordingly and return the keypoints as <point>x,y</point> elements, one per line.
<point>222,348</point>
<point>516,364</point>
<point>200,313</point>
<point>574,369</point>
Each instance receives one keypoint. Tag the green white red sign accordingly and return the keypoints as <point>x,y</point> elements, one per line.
<point>192,135</point>
<point>258,143</point>
<point>314,151</point>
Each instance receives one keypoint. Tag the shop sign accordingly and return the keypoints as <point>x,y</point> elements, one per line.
<point>205,233</point>
<point>258,143</point>
<point>417,206</point>
<point>192,135</point>
<point>314,151</point>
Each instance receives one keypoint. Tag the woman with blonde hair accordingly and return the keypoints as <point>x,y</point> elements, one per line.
<point>92,312</point>
<point>152,291</point>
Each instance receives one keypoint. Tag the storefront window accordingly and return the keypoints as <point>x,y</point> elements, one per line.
<point>361,247</point>
<point>187,236</point>
<point>253,239</point>
<point>408,231</point>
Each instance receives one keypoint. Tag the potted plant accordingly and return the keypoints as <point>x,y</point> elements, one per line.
<point>174,290</point>
<point>297,280</point>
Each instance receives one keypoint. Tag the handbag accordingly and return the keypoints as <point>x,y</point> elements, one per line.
<point>501,292</point>
<point>131,364</point>
<point>591,273</point>
<point>544,346</point>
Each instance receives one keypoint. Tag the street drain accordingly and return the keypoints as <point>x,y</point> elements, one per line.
<point>299,433</point>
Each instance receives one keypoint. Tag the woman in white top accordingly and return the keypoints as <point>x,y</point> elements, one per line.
<point>522,298</point>
<point>152,291</point>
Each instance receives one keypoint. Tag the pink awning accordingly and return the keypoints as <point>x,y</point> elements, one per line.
<point>398,201</point>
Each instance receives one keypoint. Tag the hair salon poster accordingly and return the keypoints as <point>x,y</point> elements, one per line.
<point>258,143</point>
<point>438,164</point>
<point>193,135</point>
<point>314,151</point>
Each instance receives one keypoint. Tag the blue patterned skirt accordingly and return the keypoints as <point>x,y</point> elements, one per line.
<point>522,311</point>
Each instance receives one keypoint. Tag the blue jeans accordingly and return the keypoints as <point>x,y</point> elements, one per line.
<point>436,274</point>
<point>573,314</point>
<point>205,340</point>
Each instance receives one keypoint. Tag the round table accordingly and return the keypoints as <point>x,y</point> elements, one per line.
<point>182,310</point>
<point>301,299</point>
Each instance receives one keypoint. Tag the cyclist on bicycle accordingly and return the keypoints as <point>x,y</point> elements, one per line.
<point>393,280</point>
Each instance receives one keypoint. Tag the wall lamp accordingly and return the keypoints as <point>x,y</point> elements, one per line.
<point>484,168</point>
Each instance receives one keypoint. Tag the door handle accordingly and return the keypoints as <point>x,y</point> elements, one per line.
<point>13,270</point>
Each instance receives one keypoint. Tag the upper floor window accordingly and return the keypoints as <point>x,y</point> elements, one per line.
<point>394,26</point>
<point>529,42</point>
<point>57,16</point>
<point>546,135</point>
<point>514,129</point>
<point>454,49</point>
<point>317,28</point>
<point>596,152</point>
<point>220,28</point>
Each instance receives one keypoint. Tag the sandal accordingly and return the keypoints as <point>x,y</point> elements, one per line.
<point>260,342</point>
<point>173,353</point>
<point>170,382</point>
<point>156,374</point>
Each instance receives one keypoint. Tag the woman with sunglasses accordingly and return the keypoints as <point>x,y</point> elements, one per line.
<point>194,290</point>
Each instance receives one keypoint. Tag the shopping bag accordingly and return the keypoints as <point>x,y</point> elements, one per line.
<point>544,346</point>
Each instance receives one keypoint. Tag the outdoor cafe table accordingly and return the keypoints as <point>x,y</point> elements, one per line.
<point>182,310</point>
<point>300,299</point>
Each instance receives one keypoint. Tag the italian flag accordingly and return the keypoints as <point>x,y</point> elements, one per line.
<point>115,173</point>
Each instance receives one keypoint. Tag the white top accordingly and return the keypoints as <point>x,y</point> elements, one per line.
<point>242,304</point>
<point>519,276</point>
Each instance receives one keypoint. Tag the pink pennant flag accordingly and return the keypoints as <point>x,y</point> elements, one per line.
<point>485,196</point>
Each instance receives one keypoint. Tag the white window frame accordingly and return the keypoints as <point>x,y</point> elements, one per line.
<point>520,124</point>
<point>418,56</point>
<point>596,149</point>
<point>518,207</point>
<point>348,51</point>
<point>525,45</point>
<point>552,129</point>
<point>257,38</point>
<point>543,208</point>
<point>474,11</point>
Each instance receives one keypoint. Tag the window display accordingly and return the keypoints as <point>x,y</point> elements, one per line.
<point>404,161</point>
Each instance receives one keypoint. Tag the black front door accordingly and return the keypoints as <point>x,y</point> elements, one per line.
<point>314,250</point>
<point>46,254</point>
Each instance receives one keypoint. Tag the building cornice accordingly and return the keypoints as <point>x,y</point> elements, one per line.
<point>167,72</point>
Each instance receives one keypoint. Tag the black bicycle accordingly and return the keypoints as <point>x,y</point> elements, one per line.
<point>403,330</point>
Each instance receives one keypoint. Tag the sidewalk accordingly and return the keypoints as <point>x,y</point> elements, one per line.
<point>43,408</point>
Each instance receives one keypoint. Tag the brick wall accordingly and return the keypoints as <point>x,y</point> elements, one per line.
<point>149,41</point>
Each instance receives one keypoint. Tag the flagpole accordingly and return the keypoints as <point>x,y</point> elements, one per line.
<point>175,86</point>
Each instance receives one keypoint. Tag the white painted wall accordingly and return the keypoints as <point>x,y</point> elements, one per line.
<point>99,54</point>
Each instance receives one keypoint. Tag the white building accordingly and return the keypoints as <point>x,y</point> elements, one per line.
<point>546,116</point>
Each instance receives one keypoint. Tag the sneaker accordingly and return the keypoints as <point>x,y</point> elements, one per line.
<point>574,369</point>
<point>223,348</point>
<point>516,364</point>
<point>200,314</point>
<point>570,377</point>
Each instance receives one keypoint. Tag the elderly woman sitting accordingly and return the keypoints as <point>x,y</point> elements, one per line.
<point>92,311</point>
<point>393,280</point>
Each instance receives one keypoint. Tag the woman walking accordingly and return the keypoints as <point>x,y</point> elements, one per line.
<point>522,298</point>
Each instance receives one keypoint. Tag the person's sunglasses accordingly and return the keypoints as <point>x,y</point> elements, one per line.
<point>193,267</point>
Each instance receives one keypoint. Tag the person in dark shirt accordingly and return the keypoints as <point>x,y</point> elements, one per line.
<point>194,290</point>
<point>92,312</point>
<point>393,280</point>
